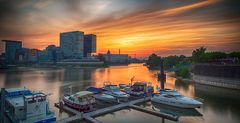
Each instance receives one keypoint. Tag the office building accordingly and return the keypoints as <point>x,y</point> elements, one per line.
<point>2,47</point>
<point>12,49</point>
<point>72,44</point>
<point>89,44</point>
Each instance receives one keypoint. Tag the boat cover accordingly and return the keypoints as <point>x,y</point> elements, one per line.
<point>95,90</point>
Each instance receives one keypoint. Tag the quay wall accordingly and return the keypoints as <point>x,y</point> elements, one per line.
<point>227,76</point>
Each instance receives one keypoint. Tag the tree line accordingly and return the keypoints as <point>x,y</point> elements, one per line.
<point>181,64</point>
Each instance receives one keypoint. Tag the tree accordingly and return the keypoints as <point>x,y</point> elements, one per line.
<point>101,57</point>
<point>197,53</point>
<point>153,61</point>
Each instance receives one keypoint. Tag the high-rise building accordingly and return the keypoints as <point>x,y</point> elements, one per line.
<point>2,47</point>
<point>72,44</point>
<point>12,50</point>
<point>89,44</point>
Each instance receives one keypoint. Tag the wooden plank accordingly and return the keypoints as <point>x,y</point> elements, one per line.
<point>159,114</point>
<point>89,116</point>
<point>91,120</point>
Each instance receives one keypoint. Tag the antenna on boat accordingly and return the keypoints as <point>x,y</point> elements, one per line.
<point>132,79</point>
<point>70,87</point>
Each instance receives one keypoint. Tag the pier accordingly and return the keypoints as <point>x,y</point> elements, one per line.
<point>90,116</point>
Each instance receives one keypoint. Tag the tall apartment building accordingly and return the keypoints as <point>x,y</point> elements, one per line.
<point>72,44</point>
<point>89,44</point>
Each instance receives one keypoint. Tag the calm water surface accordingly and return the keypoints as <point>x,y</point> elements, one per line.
<point>220,105</point>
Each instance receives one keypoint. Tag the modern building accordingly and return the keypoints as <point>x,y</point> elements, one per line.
<point>116,58</point>
<point>12,49</point>
<point>89,44</point>
<point>2,47</point>
<point>72,44</point>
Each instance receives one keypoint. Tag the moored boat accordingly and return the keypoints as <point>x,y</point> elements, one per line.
<point>83,101</point>
<point>173,98</point>
<point>140,89</point>
<point>100,95</point>
<point>25,106</point>
<point>115,91</point>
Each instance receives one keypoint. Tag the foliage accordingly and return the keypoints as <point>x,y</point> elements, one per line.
<point>153,61</point>
<point>212,56</point>
<point>183,72</point>
<point>101,57</point>
<point>197,53</point>
<point>234,55</point>
<point>171,61</point>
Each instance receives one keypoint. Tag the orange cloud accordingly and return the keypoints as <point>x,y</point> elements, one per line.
<point>165,31</point>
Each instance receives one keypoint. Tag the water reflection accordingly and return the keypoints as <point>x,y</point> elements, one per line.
<point>131,116</point>
<point>220,105</point>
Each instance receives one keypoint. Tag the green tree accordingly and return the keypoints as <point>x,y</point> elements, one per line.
<point>234,55</point>
<point>153,61</point>
<point>197,53</point>
<point>212,56</point>
<point>101,57</point>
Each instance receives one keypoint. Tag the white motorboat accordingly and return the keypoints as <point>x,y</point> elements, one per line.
<point>173,98</point>
<point>105,97</point>
<point>100,95</point>
<point>114,90</point>
<point>82,101</point>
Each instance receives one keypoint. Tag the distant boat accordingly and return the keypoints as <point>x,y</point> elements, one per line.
<point>173,98</point>
<point>140,89</point>
<point>83,101</point>
<point>25,106</point>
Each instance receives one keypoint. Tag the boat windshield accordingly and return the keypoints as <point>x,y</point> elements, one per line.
<point>114,88</point>
<point>178,95</point>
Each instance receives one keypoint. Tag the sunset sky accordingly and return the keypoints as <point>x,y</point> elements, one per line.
<point>141,27</point>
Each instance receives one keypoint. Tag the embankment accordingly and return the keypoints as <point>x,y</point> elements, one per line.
<point>227,76</point>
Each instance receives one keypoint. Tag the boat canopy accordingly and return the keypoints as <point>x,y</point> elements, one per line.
<point>140,83</point>
<point>95,90</point>
<point>82,94</point>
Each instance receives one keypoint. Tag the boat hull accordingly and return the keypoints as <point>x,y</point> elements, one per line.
<point>81,108</point>
<point>175,104</point>
<point>104,97</point>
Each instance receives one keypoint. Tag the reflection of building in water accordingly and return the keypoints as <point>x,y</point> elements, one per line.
<point>13,79</point>
<point>116,58</point>
<point>73,74</point>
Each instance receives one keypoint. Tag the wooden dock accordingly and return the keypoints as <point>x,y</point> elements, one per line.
<point>89,117</point>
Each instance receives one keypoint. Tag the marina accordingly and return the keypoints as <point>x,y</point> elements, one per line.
<point>130,104</point>
<point>134,109</point>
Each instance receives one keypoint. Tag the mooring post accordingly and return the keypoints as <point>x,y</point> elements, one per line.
<point>2,105</point>
<point>161,75</point>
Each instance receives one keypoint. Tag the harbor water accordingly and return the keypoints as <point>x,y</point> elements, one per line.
<point>220,105</point>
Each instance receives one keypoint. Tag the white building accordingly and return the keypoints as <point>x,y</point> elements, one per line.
<point>72,44</point>
<point>116,58</point>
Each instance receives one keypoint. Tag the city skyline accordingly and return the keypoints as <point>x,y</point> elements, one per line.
<point>134,26</point>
